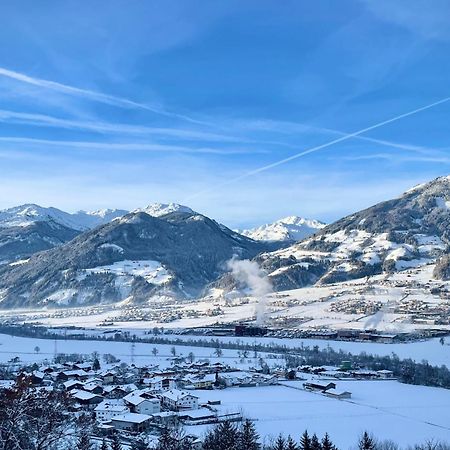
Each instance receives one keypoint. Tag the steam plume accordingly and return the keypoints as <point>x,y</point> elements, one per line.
<point>250,274</point>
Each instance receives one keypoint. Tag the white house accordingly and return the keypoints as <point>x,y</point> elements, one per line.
<point>140,402</point>
<point>107,409</point>
<point>177,400</point>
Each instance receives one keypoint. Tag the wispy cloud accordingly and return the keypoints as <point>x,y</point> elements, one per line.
<point>111,127</point>
<point>94,95</point>
<point>127,146</point>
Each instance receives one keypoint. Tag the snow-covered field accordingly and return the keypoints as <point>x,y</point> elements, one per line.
<point>391,410</point>
<point>430,350</point>
<point>24,348</point>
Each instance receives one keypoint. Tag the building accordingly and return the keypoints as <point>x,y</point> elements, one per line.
<point>340,395</point>
<point>177,400</point>
<point>319,387</point>
<point>86,398</point>
<point>107,409</point>
<point>142,403</point>
<point>158,384</point>
<point>131,422</point>
<point>385,374</point>
<point>201,381</point>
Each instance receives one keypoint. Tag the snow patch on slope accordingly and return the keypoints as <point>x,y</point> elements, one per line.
<point>152,271</point>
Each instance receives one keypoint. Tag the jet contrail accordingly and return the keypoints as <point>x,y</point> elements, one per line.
<point>93,95</point>
<point>319,147</point>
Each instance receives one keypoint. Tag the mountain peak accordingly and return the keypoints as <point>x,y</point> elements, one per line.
<point>291,228</point>
<point>161,209</point>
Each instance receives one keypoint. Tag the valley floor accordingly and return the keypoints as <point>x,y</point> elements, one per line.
<point>405,413</point>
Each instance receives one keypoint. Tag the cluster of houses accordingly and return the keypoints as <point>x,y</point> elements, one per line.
<point>345,371</point>
<point>132,399</point>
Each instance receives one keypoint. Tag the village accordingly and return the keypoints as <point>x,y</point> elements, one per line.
<point>136,401</point>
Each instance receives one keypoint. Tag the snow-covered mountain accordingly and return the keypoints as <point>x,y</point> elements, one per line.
<point>288,229</point>
<point>406,232</point>
<point>30,228</point>
<point>134,257</point>
<point>28,214</point>
<point>161,209</point>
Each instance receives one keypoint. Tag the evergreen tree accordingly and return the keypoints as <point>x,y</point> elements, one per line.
<point>291,444</point>
<point>327,444</point>
<point>84,442</point>
<point>223,436</point>
<point>115,442</point>
<point>166,440</point>
<point>248,437</point>
<point>366,442</point>
<point>315,443</point>
<point>280,443</point>
<point>139,444</point>
<point>209,442</point>
<point>96,364</point>
<point>305,441</point>
<point>227,435</point>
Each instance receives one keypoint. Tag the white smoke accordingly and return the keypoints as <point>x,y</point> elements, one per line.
<point>374,320</point>
<point>250,274</point>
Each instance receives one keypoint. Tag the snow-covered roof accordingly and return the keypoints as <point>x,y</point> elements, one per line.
<point>131,417</point>
<point>176,395</point>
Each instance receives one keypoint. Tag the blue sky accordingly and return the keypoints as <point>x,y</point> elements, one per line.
<point>120,104</point>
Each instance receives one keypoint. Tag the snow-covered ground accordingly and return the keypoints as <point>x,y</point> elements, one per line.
<point>391,410</point>
<point>24,348</point>
<point>393,303</point>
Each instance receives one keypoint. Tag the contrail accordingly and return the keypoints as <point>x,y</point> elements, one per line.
<point>319,147</point>
<point>94,95</point>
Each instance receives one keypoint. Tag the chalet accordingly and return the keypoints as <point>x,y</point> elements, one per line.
<point>176,400</point>
<point>93,387</point>
<point>72,384</point>
<point>202,381</point>
<point>72,375</point>
<point>107,409</point>
<point>82,366</point>
<point>118,391</point>
<point>141,403</point>
<point>86,398</point>
<point>158,384</point>
<point>131,422</point>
